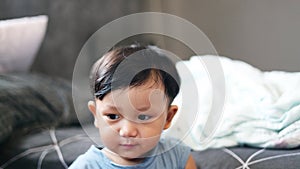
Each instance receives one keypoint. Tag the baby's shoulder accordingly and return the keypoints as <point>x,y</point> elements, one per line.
<point>91,159</point>
<point>172,151</point>
<point>170,143</point>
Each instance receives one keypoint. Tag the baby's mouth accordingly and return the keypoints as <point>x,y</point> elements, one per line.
<point>128,145</point>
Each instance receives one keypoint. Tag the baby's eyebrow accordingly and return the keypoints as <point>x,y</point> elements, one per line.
<point>112,107</point>
<point>142,109</point>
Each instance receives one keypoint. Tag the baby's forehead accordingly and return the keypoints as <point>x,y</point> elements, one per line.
<point>149,84</point>
<point>149,87</point>
<point>138,98</point>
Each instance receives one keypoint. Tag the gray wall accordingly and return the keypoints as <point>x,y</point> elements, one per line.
<point>264,33</point>
<point>71,23</point>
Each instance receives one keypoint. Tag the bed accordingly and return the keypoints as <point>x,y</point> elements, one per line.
<point>38,150</point>
<point>39,128</point>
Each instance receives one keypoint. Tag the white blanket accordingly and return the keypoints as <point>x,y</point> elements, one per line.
<point>261,109</point>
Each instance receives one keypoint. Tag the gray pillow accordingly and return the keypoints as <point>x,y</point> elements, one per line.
<point>30,101</point>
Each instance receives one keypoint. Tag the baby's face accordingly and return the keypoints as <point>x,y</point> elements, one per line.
<point>130,121</point>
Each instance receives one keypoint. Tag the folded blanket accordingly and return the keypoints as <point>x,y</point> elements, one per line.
<point>261,109</point>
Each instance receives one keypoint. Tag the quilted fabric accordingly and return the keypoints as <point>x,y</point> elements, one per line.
<point>46,148</point>
<point>59,147</point>
<point>247,158</point>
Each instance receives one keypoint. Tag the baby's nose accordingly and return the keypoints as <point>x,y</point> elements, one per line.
<point>128,129</point>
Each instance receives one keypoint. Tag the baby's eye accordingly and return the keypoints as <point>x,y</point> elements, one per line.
<point>113,116</point>
<point>144,117</point>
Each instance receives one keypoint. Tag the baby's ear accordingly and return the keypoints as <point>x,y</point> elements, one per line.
<point>92,108</point>
<point>171,113</point>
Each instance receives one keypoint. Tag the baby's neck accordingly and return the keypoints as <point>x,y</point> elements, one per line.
<point>116,158</point>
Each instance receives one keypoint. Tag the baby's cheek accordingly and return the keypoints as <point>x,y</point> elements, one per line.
<point>108,130</point>
<point>149,142</point>
<point>108,135</point>
<point>151,132</point>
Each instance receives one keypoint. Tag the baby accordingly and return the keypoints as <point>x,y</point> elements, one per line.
<point>134,87</point>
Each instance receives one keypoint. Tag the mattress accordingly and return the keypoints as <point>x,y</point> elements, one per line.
<point>59,147</point>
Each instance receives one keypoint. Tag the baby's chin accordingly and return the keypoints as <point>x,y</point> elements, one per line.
<point>132,156</point>
<point>136,155</point>
<point>128,159</point>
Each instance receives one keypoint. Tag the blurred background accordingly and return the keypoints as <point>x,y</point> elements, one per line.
<point>263,33</point>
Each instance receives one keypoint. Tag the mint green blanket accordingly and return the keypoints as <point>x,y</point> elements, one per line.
<point>261,109</point>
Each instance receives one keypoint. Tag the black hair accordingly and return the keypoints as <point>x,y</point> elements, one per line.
<point>131,66</point>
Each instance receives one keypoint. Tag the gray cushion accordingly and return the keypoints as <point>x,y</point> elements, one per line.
<point>44,148</point>
<point>38,148</point>
<point>29,101</point>
<point>254,158</point>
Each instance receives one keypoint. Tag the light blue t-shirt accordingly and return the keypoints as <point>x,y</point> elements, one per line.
<point>171,155</point>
